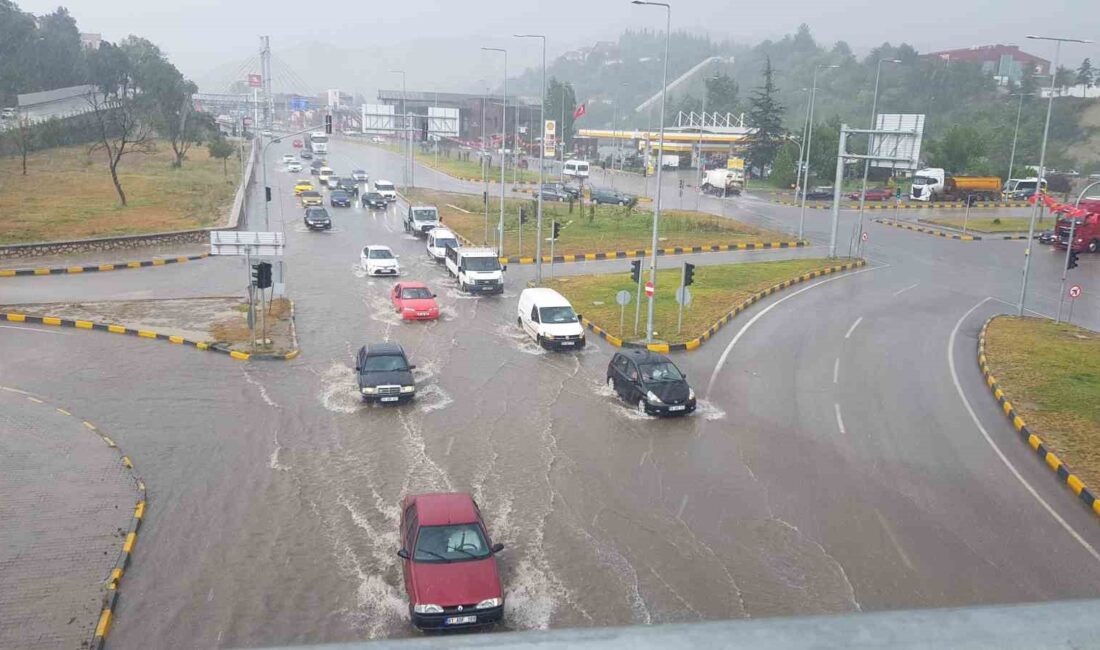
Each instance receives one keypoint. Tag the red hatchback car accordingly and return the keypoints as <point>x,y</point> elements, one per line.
<point>449,562</point>
<point>874,194</point>
<point>414,301</point>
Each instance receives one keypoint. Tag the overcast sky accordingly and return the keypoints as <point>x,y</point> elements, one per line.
<point>438,41</point>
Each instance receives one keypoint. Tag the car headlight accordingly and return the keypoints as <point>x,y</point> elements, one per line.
<point>489,602</point>
<point>427,609</point>
<point>409,309</point>
<point>691,393</point>
<point>369,390</point>
<point>408,389</point>
<point>652,398</point>
<point>549,337</point>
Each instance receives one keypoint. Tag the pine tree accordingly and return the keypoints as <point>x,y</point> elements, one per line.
<point>1085,74</point>
<point>766,118</point>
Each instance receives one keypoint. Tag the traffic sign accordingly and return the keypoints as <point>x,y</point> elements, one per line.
<point>649,289</point>
<point>683,295</point>
<point>623,297</point>
<point>863,236</point>
<point>1075,291</point>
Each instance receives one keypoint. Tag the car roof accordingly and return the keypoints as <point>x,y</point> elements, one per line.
<point>311,193</point>
<point>378,246</point>
<point>378,181</point>
<point>544,297</point>
<point>304,181</point>
<point>638,355</point>
<point>385,347</point>
<point>441,231</point>
<point>423,207</point>
<point>413,284</point>
<point>443,509</point>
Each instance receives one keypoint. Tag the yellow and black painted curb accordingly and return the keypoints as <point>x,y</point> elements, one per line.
<point>721,322</point>
<point>117,266</point>
<point>929,231</point>
<point>145,334</point>
<point>110,598</point>
<point>1030,437</point>
<point>961,205</point>
<point>482,180</point>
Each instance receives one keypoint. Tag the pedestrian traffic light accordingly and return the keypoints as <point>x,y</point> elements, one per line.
<point>1071,263</point>
<point>689,273</point>
<point>261,275</point>
<point>328,124</point>
<point>267,194</point>
<point>555,230</point>
<point>636,270</point>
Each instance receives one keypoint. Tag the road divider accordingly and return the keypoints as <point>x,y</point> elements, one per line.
<point>117,266</point>
<point>928,231</point>
<point>959,205</point>
<point>697,342</point>
<point>147,334</point>
<point>1030,437</point>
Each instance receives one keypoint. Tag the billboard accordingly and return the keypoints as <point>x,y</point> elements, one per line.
<point>255,80</point>
<point>378,119</point>
<point>906,144</point>
<point>443,122</point>
<point>735,163</point>
<point>549,138</point>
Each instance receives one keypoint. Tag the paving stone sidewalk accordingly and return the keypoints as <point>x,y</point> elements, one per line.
<point>66,500</point>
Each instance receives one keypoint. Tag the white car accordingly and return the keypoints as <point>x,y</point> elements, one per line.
<point>288,157</point>
<point>294,166</point>
<point>377,138</point>
<point>386,189</point>
<point>379,260</point>
<point>439,240</point>
<point>359,175</point>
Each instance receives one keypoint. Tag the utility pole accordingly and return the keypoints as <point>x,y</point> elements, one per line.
<point>1015,134</point>
<point>484,166</point>
<point>809,143</point>
<point>542,163</point>
<point>870,139</point>
<point>503,140</point>
<point>404,132</point>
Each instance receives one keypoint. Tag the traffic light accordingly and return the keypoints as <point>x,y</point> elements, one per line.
<point>522,214</point>
<point>636,270</point>
<point>267,194</point>
<point>1071,263</point>
<point>555,229</point>
<point>261,275</point>
<point>328,124</point>
<point>424,131</point>
<point>689,273</point>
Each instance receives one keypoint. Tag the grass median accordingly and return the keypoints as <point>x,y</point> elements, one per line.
<point>990,224</point>
<point>466,169</point>
<point>716,291</point>
<point>1051,372</point>
<point>67,194</point>
<point>612,228</point>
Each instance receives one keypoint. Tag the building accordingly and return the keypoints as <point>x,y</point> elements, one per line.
<point>90,41</point>
<point>1006,63</point>
<point>523,112</point>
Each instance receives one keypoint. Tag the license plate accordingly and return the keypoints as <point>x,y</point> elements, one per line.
<point>567,343</point>
<point>459,620</point>
<point>679,407</point>
<point>422,313</point>
<point>389,399</point>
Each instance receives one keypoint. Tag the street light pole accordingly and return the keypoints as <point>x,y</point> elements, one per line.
<point>661,145</point>
<point>809,143</point>
<point>542,161</point>
<point>1015,134</point>
<point>484,165</point>
<point>404,134</point>
<point>802,148</point>
<point>503,138</point>
<point>867,162</point>
<point>1042,161</point>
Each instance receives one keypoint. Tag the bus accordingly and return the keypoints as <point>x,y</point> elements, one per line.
<point>318,142</point>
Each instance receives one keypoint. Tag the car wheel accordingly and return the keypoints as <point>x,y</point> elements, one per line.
<point>519,321</point>
<point>641,407</point>
<point>611,385</point>
<point>1094,245</point>
<point>622,202</point>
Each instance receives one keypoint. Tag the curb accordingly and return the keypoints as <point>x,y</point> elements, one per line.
<point>928,231</point>
<point>117,266</point>
<point>110,599</point>
<point>1028,436</point>
<point>145,334</point>
<point>721,322</point>
<point>912,206</point>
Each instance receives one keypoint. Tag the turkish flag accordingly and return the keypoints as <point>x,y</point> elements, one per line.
<point>579,112</point>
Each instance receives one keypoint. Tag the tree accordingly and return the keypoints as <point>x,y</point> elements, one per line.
<point>766,117</point>
<point>1085,73</point>
<point>556,91</point>
<point>784,168</point>
<point>960,149</point>
<point>1063,77</point>
<point>826,139</point>
<point>167,95</point>
<point>221,149</point>
<point>721,94</point>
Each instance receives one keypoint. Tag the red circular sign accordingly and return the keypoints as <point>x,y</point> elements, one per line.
<point>649,289</point>
<point>1075,291</point>
<point>863,236</point>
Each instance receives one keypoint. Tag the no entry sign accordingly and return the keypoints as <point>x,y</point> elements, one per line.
<point>649,289</point>
<point>1074,291</point>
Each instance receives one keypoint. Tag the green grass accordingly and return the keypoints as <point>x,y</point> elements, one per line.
<point>716,291</point>
<point>1052,375</point>
<point>464,168</point>
<point>613,228</point>
<point>986,224</point>
<point>67,194</point>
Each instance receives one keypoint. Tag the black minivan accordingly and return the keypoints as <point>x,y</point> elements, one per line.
<point>651,382</point>
<point>384,374</point>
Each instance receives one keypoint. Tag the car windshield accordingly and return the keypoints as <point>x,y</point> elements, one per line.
<point>384,363</point>
<point>482,264</point>
<point>454,543</point>
<point>339,195</point>
<point>310,195</point>
<point>380,254</point>
<point>555,315</point>
<point>425,215</point>
<point>446,242</point>
<point>657,372</point>
<point>416,292</point>
<point>374,196</point>
<point>385,187</point>
<point>923,180</point>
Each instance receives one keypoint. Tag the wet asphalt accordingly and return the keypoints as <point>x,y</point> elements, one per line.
<point>831,467</point>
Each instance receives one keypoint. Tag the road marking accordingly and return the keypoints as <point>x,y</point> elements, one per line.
<point>683,504</point>
<point>450,443</point>
<point>901,291</point>
<point>839,420</point>
<point>32,329</point>
<point>836,370</point>
<point>853,327</point>
<point>746,326</point>
<point>989,439</point>
<point>894,540</point>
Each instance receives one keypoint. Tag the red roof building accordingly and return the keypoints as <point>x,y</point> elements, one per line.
<point>1006,62</point>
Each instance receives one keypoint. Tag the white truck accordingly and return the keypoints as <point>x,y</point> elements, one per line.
<point>723,182</point>
<point>478,270</point>
<point>420,219</point>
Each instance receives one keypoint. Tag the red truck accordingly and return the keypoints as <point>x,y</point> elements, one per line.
<point>1086,233</point>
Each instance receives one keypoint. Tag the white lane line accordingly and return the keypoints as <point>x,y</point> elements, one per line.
<point>894,541</point>
<point>901,291</point>
<point>746,326</point>
<point>450,443</point>
<point>839,420</point>
<point>853,327</point>
<point>985,434</point>
<point>683,504</point>
<point>836,370</point>
<point>32,329</point>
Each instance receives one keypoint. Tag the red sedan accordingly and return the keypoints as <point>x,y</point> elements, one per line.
<point>297,144</point>
<point>874,194</point>
<point>449,563</point>
<point>414,301</point>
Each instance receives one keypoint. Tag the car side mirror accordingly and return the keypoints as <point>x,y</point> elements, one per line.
<point>412,367</point>
<point>504,268</point>
<point>434,296</point>
<point>357,368</point>
<point>498,547</point>
<point>403,554</point>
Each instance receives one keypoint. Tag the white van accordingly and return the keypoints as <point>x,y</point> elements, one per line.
<point>575,168</point>
<point>324,175</point>
<point>548,318</point>
<point>439,240</point>
<point>386,189</point>
<point>478,270</point>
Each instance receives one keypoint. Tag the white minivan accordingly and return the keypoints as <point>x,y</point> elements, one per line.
<point>548,318</point>
<point>439,240</point>
<point>575,168</point>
